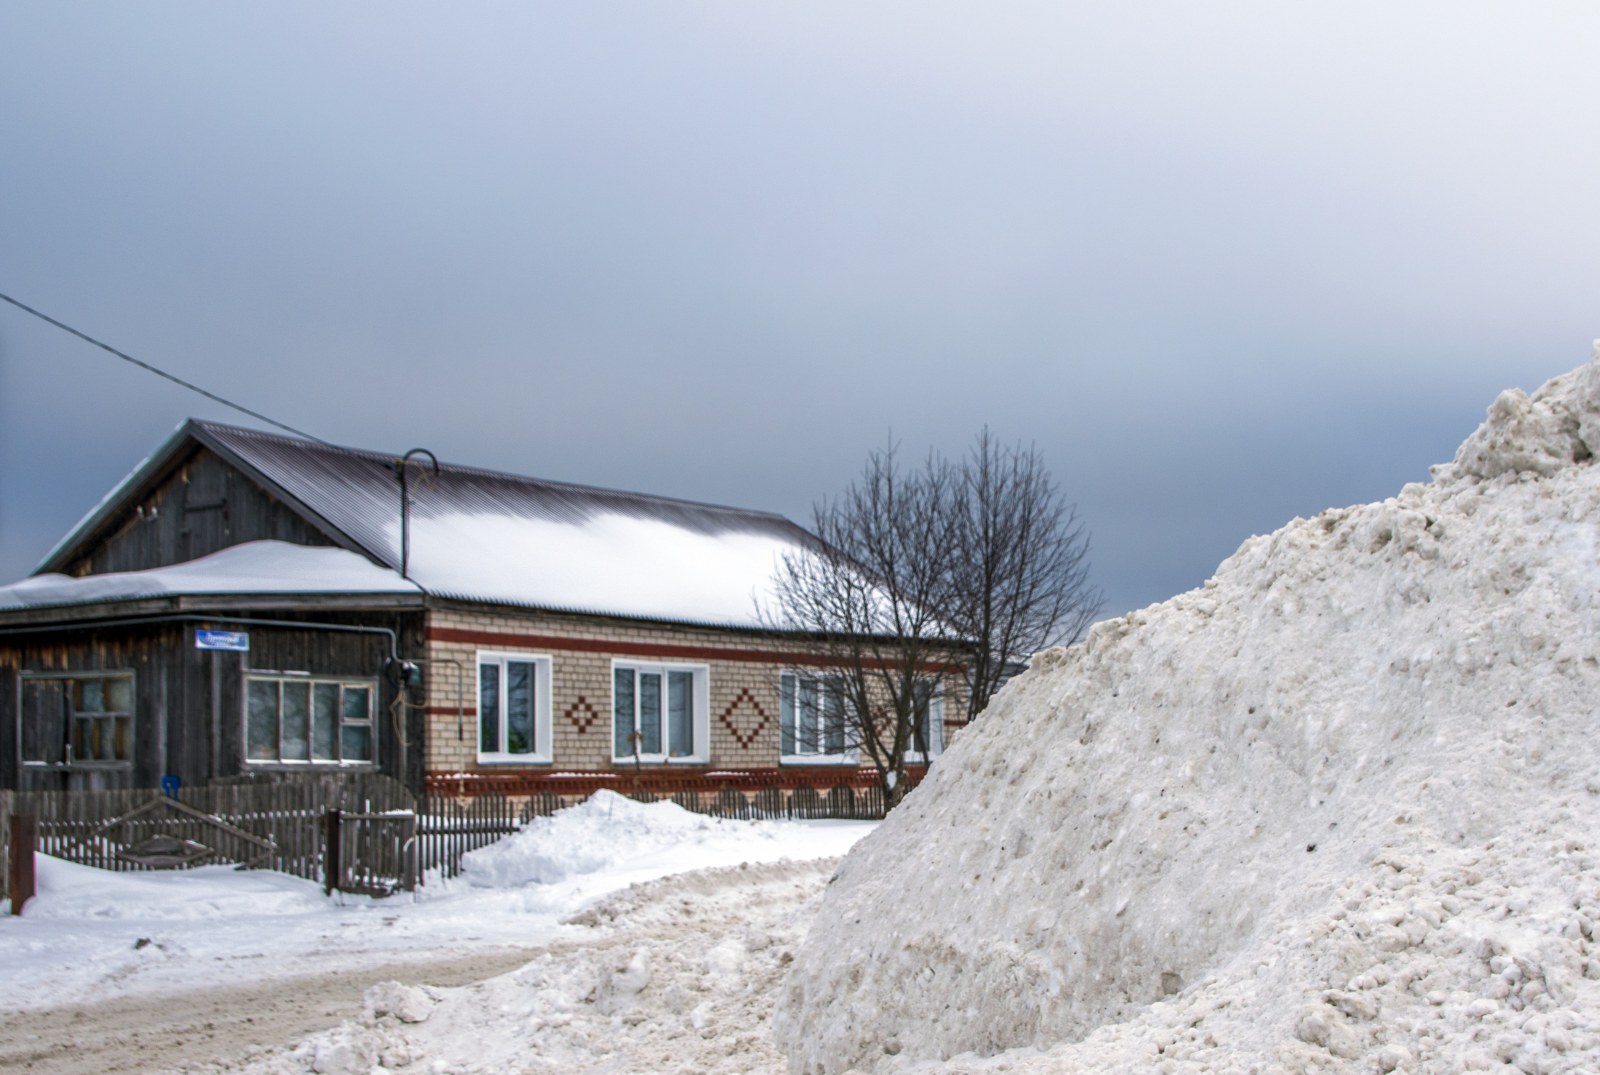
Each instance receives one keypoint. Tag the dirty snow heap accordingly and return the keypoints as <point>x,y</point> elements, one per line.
<point>1329,813</point>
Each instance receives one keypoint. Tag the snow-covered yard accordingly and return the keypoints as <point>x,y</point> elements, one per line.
<point>218,969</point>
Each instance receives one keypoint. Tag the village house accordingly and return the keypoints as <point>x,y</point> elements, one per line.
<point>249,606</point>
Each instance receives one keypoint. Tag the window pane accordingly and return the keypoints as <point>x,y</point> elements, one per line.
<point>261,720</point>
<point>89,695</point>
<point>357,742</point>
<point>489,708</point>
<point>519,707</point>
<point>650,712</point>
<point>44,720</point>
<point>806,718</point>
<point>786,714</point>
<point>833,719</point>
<point>357,703</point>
<point>296,717</point>
<point>921,738</point>
<point>324,721</point>
<point>622,712</point>
<point>83,739</point>
<point>119,694</point>
<point>680,714</point>
<point>122,742</point>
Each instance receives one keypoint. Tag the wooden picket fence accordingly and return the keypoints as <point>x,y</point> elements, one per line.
<point>278,826</point>
<point>353,832</point>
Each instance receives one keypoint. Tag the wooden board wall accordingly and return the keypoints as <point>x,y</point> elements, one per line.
<point>189,703</point>
<point>203,505</point>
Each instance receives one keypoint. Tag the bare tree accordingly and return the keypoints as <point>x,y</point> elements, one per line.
<point>922,580</point>
<point>1021,579</point>
<point>870,595</point>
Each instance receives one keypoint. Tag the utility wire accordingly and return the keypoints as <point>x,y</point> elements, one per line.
<point>158,372</point>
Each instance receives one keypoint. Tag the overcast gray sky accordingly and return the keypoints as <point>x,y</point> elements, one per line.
<point>1224,263</point>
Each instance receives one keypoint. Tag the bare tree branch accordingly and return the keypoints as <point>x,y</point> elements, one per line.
<point>927,582</point>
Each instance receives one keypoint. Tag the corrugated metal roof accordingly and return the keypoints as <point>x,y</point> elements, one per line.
<point>358,491</point>
<point>487,536</point>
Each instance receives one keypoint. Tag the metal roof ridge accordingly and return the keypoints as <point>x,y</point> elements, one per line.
<point>388,459</point>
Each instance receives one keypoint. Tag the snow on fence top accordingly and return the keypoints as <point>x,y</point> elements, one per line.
<point>1330,812</point>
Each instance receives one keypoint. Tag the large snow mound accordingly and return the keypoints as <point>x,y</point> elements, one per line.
<point>1331,812</point>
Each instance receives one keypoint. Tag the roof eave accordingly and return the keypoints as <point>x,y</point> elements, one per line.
<point>86,614</point>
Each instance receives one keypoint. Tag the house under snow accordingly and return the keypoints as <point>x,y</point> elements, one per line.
<point>235,609</point>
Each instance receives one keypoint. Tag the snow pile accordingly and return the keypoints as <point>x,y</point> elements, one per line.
<point>1332,812</point>
<point>68,892</point>
<point>606,831</point>
<point>674,976</point>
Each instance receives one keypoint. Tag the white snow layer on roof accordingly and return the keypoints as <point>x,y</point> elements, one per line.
<point>256,567</point>
<point>611,563</point>
<point>1336,811</point>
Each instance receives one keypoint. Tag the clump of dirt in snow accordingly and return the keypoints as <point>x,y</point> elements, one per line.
<point>1335,811</point>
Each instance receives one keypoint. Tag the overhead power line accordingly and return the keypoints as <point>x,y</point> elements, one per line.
<point>158,372</point>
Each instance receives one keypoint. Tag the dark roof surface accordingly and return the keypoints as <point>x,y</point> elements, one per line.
<point>358,492</point>
<point>489,536</point>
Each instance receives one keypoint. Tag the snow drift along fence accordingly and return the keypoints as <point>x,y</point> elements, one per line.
<point>388,838</point>
<point>275,826</point>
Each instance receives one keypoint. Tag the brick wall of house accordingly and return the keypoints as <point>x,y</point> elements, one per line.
<point>743,674</point>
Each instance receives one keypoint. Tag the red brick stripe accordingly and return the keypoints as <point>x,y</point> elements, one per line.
<point>638,649</point>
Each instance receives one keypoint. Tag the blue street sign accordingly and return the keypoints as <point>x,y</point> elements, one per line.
<point>237,641</point>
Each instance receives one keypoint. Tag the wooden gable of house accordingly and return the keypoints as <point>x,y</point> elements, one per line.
<point>198,504</point>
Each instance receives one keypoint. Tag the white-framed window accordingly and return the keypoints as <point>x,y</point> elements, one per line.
<point>296,719</point>
<point>660,712</point>
<point>514,708</point>
<point>76,719</point>
<point>927,723</point>
<point>814,721</point>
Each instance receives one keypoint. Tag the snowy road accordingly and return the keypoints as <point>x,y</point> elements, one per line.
<point>212,1026</point>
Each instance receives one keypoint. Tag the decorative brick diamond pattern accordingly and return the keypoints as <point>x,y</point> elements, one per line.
<point>747,738</point>
<point>582,716</point>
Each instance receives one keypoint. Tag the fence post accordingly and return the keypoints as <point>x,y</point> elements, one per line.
<point>332,864</point>
<point>408,854</point>
<point>19,874</point>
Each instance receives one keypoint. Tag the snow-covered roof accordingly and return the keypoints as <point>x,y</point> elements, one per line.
<point>481,535</point>
<point>256,567</point>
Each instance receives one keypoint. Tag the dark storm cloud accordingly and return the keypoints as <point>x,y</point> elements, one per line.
<point>1224,263</point>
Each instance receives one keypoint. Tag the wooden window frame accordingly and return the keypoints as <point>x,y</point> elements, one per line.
<point>371,723</point>
<point>72,718</point>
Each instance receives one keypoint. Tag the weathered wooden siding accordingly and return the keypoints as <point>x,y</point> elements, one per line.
<point>189,717</point>
<point>203,505</point>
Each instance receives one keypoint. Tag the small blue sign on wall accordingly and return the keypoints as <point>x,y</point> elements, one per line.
<point>170,785</point>
<point>237,641</point>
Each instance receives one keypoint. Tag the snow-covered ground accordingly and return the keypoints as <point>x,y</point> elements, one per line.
<point>92,937</point>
